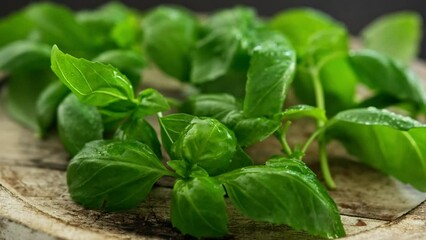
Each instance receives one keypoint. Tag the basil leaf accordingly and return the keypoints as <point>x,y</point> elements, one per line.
<point>78,124</point>
<point>24,56</point>
<point>240,159</point>
<point>339,83</point>
<point>224,47</point>
<point>395,144</point>
<point>128,62</point>
<point>233,82</point>
<point>211,105</point>
<point>171,128</point>
<point>93,83</point>
<point>299,111</point>
<point>313,22</point>
<point>102,21</point>
<point>321,50</point>
<point>207,143</point>
<point>214,56</point>
<point>113,175</point>
<point>23,90</point>
<point>326,60</point>
<point>198,208</point>
<point>225,108</point>
<point>382,74</point>
<point>271,71</point>
<point>118,110</point>
<point>127,33</point>
<point>47,105</point>
<point>151,101</point>
<point>113,119</point>
<point>14,27</point>
<point>252,130</point>
<point>285,193</point>
<point>57,25</point>
<point>231,18</point>
<point>181,167</point>
<point>380,100</point>
<point>384,35</point>
<point>169,38</point>
<point>381,117</point>
<point>108,14</point>
<point>140,130</point>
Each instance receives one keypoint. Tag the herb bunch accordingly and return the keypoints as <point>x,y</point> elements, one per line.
<point>242,68</point>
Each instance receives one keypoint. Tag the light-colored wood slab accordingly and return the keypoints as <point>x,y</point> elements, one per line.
<point>35,204</point>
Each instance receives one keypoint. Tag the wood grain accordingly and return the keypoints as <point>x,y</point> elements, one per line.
<point>35,204</point>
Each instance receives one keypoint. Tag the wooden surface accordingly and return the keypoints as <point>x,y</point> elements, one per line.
<point>35,204</point>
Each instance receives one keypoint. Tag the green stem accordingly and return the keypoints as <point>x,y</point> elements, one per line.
<point>282,138</point>
<point>311,139</point>
<point>319,92</point>
<point>324,165</point>
<point>319,98</point>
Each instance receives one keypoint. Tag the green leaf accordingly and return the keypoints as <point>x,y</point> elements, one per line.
<point>380,100</point>
<point>211,105</point>
<point>151,102</point>
<point>127,33</point>
<point>207,143</point>
<point>198,208</point>
<point>113,175</point>
<point>391,143</point>
<point>340,84</point>
<point>240,159</point>
<point>57,25</point>
<point>224,46</point>
<point>24,56</point>
<point>23,90</point>
<point>233,82</point>
<point>181,167</point>
<point>171,127</point>
<point>93,83</point>
<point>102,21</point>
<point>47,105</point>
<point>78,124</point>
<point>118,110</point>
<point>169,38</point>
<point>326,61</point>
<point>245,17</point>
<point>287,192</point>
<point>301,25</point>
<point>14,27</point>
<point>300,111</point>
<point>214,56</point>
<point>326,44</point>
<point>384,35</point>
<point>139,129</point>
<point>321,47</point>
<point>252,130</point>
<point>224,107</point>
<point>108,14</point>
<point>128,62</point>
<point>271,71</point>
<point>382,74</point>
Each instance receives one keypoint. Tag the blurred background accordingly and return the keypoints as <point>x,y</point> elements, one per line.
<point>354,14</point>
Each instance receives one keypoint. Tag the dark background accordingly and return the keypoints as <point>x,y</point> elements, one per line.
<point>354,13</point>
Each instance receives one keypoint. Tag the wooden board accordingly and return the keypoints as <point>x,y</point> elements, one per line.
<point>35,204</point>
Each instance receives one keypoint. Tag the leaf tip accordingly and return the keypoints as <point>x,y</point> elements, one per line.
<point>53,55</point>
